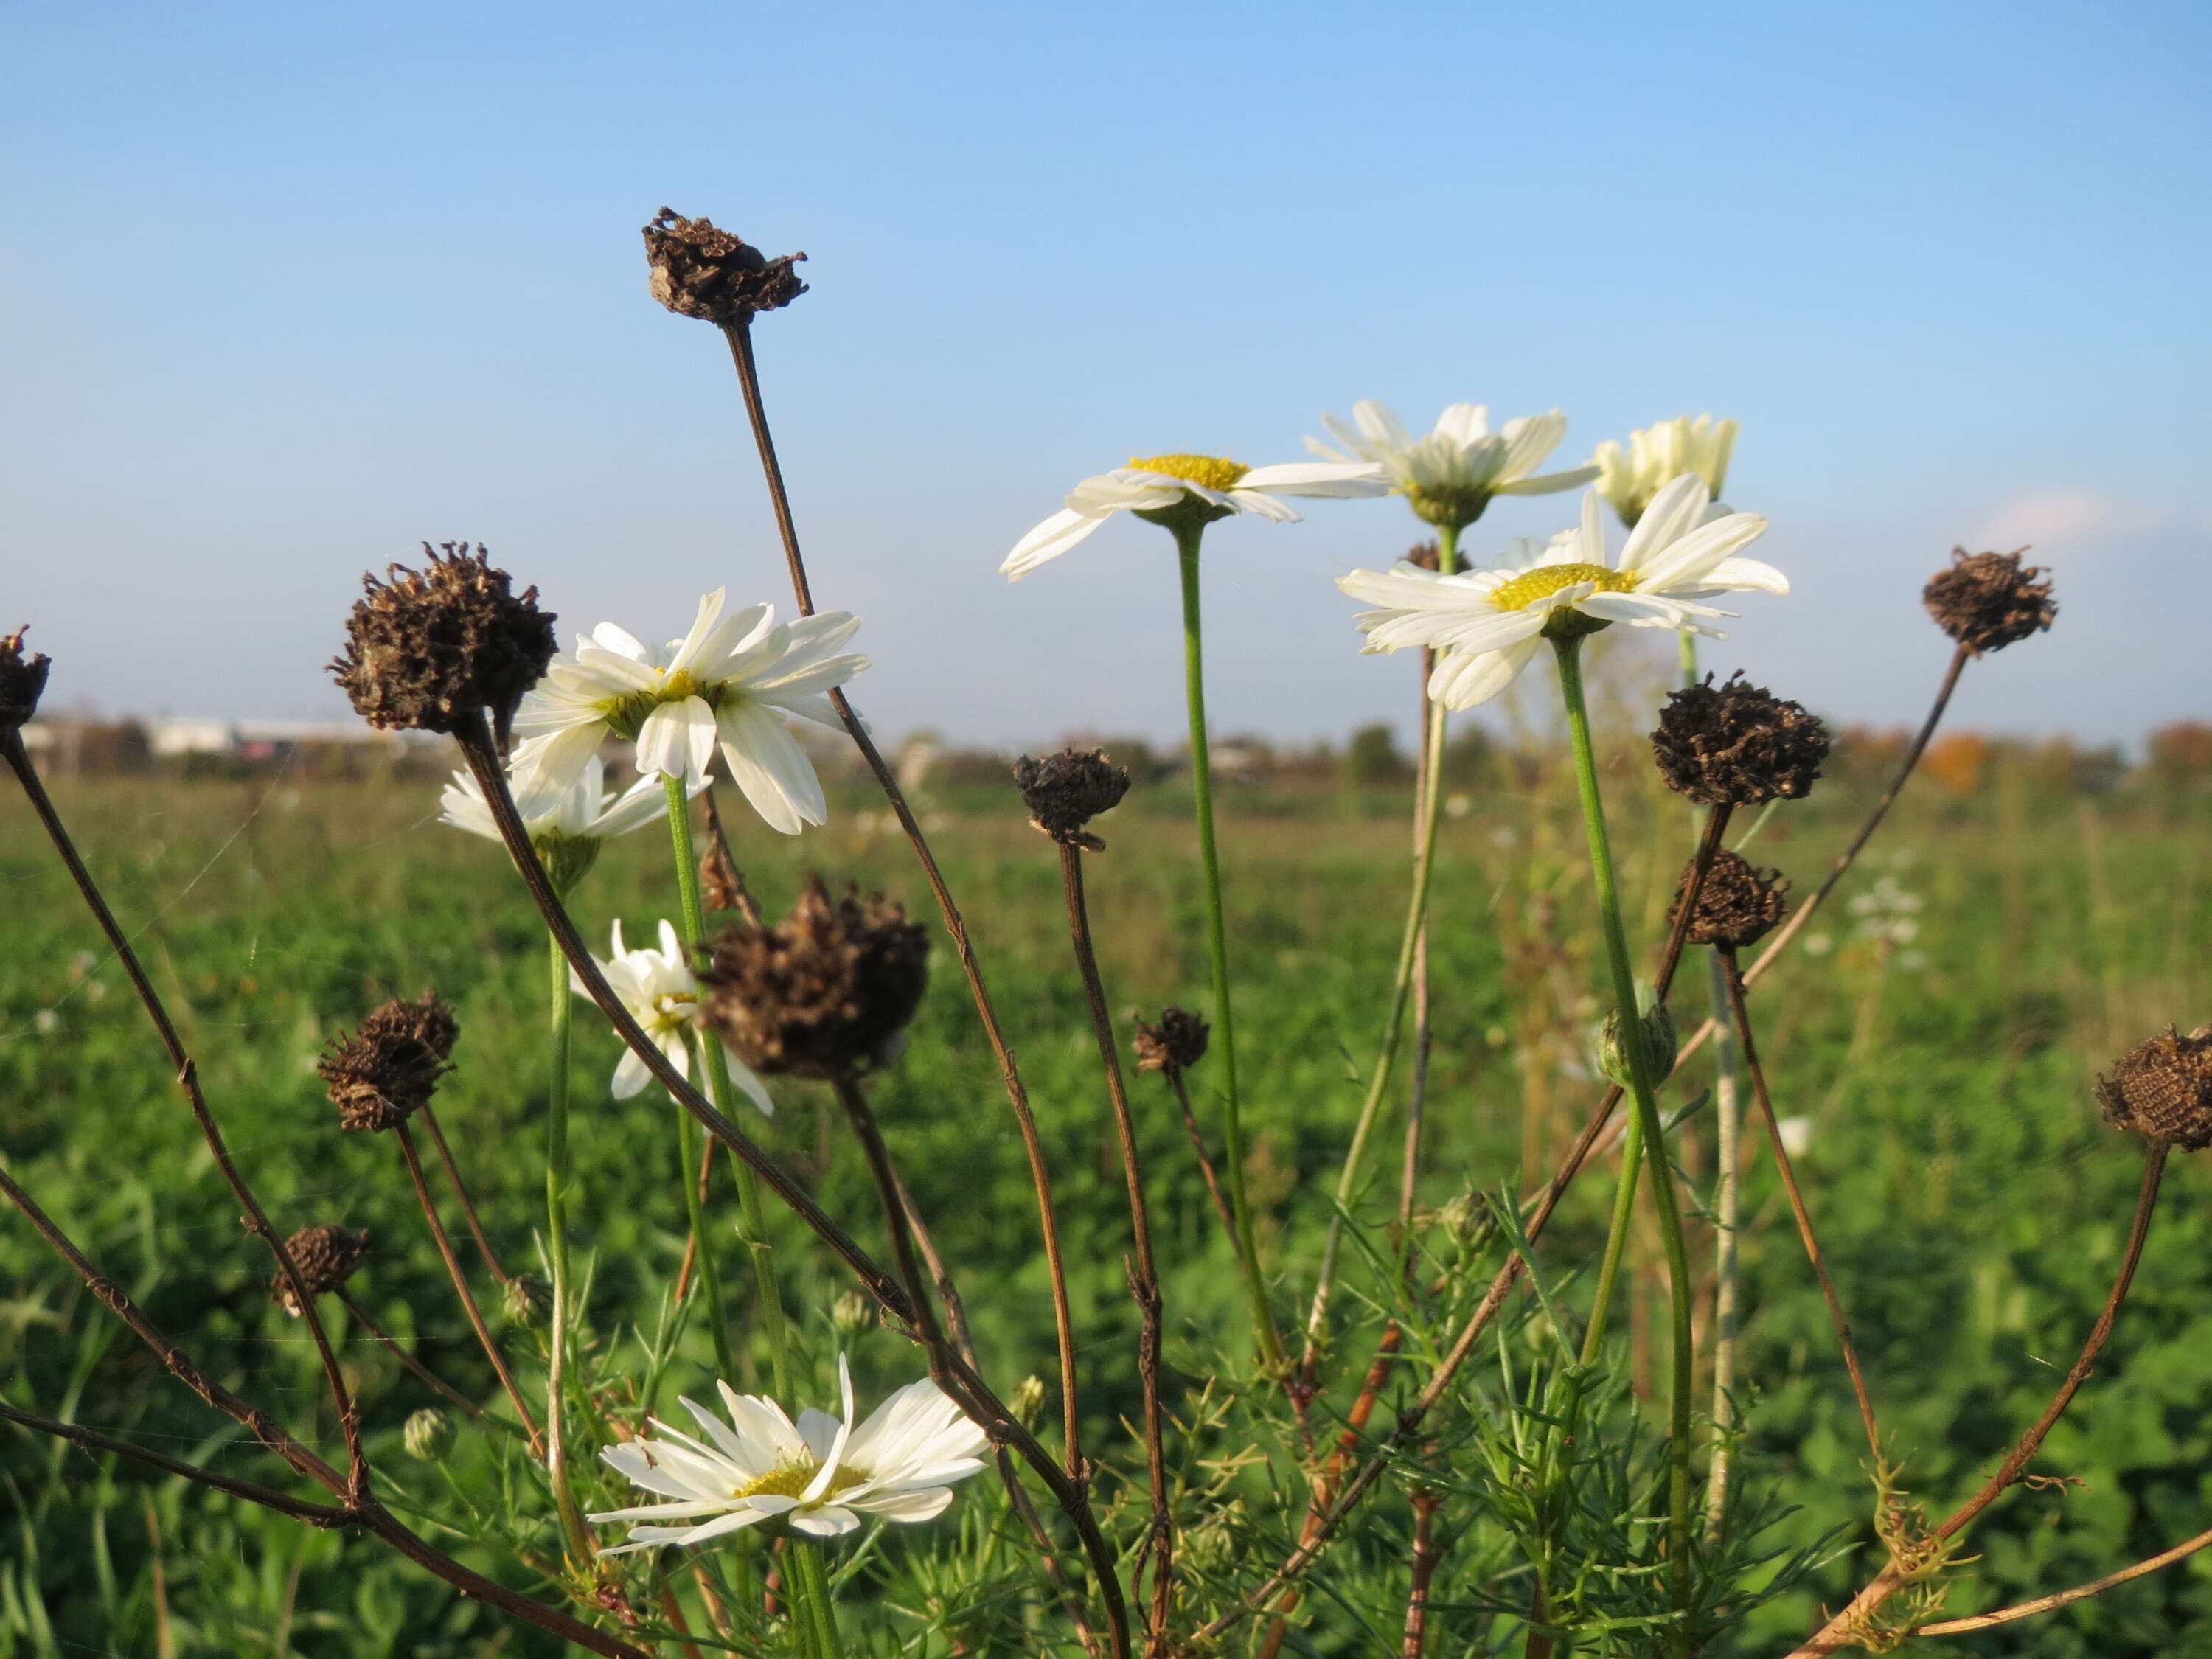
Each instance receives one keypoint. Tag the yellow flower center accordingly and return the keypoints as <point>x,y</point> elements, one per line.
<point>1208,471</point>
<point>792,1480</point>
<point>1546,580</point>
<point>626,713</point>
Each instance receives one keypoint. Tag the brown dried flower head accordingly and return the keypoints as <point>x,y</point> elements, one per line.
<point>2161,1088</point>
<point>1737,905</point>
<point>387,1072</point>
<point>1737,744</point>
<point>700,271</point>
<point>426,649</point>
<point>1987,601</point>
<point>21,680</point>
<point>1066,791</point>
<point>1425,556</point>
<point>325,1257</point>
<point>826,991</point>
<point>1176,1044</point>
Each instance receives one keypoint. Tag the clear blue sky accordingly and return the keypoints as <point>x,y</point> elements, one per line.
<point>285,289</point>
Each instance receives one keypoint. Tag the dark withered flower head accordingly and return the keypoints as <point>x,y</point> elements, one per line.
<point>1066,791</point>
<point>1737,744</point>
<point>2161,1088</point>
<point>387,1072</point>
<point>325,1257</point>
<point>1987,601</point>
<point>1174,1045</point>
<point>698,270</point>
<point>1424,555</point>
<point>824,991</point>
<point>426,649</point>
<point>21,680</point>
<point>1737,905</point>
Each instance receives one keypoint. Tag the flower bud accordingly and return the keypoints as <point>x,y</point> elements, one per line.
<point>1659,1044</point>
<point>1027,1403</point>
<point>1465,1219</point>
<point>429,1435</point>
<point>1065,792</point>
<point>527,1302</point>
<point>853,1314</point>
<point>1987,601</point>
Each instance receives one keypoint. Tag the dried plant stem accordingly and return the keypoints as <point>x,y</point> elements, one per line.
<point>1174,1075</point>
<point>959,1380</point>
<point>1733,977</point>
<point>1836,1635</point>
<point>1728,1213</point>
<point>1427,1554</point>
<point>420,1372</point>
<point>187,1073</point>
<point>746,905</point>
<point>460,1279</point>
<point>740,336</point>
<point>557,1174</point>
<point>1428,801</point>
<point>1189,535</point>
<point>2060,1598</point>
<point>461,1192</point>
<point>1144,1272</point>
<point>315,1515</point>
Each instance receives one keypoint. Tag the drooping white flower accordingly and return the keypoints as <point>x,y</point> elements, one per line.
<point>818,1476</point>
<point>1449,476</point>
<point>1215,487</point>
<point>582,812</point>
<point>1659,453</point>
<point>731,681</point>
<point>1488,624</point>
<point>662,994</point>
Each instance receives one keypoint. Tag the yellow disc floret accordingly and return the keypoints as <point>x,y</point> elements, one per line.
<point>792,1480</point>
<point>1208,471</point>
<point>1546,580</point>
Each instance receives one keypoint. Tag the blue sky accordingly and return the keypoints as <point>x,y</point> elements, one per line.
<point>285,290</point>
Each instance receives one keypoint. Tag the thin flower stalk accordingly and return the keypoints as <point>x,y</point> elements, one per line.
<point>557,1177</point>
<point>1143,1273</point>
<point>2180,1551</point>
<point>740,336</point>
<point>1741,1015</point>
<point>414,1161</point>
<point>1428,805</point>
<point>1206,1170</point>
<point>187,1071</point>
<point>1428,1554</point>
<point>421,1373</point>
<point>814,1611</point>
<point>1568,651</point>
<point>461,1192</point>
<point>1188,531</point>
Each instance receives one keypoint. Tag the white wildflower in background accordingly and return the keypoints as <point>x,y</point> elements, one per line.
<point>662,994</point>
<point>818,1476</point>
<point>1796,1134</point>
<point>1657,455</point>
<point>1217,487</point>
<point>732,681</point>
<point>1888,914</point>
<point>1489,623</point>
<point>1448,476</point>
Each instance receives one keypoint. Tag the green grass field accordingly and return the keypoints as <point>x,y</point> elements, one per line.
<point>1971,1202</point>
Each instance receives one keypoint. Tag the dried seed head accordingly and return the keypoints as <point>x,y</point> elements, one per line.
<point>1066,791</point>
<point>527,1302</point>
<point>1174,1045</point>
<point>386,1071</point>
<point>826,991</point>
<point>1737,905</point>
<point>426,649</point>
<point>699,271</point>
<point>2161,1088</point>
<point>1987,601</point>
<point>21,680</point>
<point>325,1257</point>
<point>1424,555</point>
<point>1737,744</point>
<point>429,1435</point>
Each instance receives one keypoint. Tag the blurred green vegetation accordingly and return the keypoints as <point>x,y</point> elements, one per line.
<point>1971,1202</point>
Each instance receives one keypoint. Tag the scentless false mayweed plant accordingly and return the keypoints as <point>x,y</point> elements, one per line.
<point>1429,1429</point>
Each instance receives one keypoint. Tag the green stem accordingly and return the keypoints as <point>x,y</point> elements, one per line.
<point>1188,536</point>
<point>813,1610</point>
<point>1428,802</point>
<point>557,1232</point>
<point>706,1048</point>
<point>1569,652</point>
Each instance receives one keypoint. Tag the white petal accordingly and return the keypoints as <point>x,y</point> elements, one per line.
<point>620,641</point>
<point>1325,478</point>
<point>749,1085</point>
<point>829,1521</point>
<point>704,623</point>
<point>554,762</point>
<point>1734,573</point>
<point>1462,681</point>
<point>678,740</point>
<point>1674,513</point>
<point>925,1504</point>
<point>1263,506</point>
<point>765,761</point>
<point>1685,561</point>
<point>631,1075</point>
<point>1048,541</point>
<point>1547,483</point>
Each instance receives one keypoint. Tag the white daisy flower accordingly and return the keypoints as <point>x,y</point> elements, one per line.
<point>732,681</point>
<point>1449,476</point>
<point>1657,455</point>
<point>566,826</point>
<point>1489,623</point>
<point>1216,488</point>
<point>662,994</point>
<point>818,1476</point>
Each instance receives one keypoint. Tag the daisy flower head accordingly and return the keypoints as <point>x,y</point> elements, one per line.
<point>662,994</point>
<point>1181,492</point>
<point>731,682</point>
<point>1448,476</point>
<point>1488,624</point>
<point>1658,454</point>
<point>567,826</point>
<point>818,1476</point>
